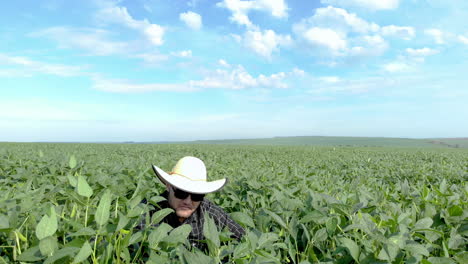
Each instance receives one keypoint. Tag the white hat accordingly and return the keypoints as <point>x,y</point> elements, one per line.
<point>189,174</point>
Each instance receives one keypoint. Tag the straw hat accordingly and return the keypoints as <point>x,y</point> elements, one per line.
<point>189,174</point>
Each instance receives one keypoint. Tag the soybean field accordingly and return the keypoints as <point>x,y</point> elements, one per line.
<point>80,203</point>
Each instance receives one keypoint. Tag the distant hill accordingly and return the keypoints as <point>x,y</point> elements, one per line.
<point>343,141</point>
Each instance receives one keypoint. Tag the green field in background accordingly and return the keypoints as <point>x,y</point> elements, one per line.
<point>345,141</point>
<point>67,203</point>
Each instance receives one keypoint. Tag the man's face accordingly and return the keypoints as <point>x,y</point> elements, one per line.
<point>183,207</point>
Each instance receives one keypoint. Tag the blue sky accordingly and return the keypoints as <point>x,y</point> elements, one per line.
<point>157,70</point>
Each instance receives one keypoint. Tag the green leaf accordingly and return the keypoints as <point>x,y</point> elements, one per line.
<point>160,214</point>
<point>103,210</point>
<point>443,186</point>
<point>125,254</point>
<point>320,235</point>
<point>31,255</point>
<point>243,219</point>
<point>455,241</point>
<point>158,258</point>
<point>123,221</point>
<point>135,238</point>
<point>277,218</point>
<point>178,235</point>
<point>342,209</point>
<point>423,223</point>
<point>388,252</point>
<point>241,250</point>
<point>252,238</point>
<point>85,231</point>
<point>72,162</point>
<point>210,231</point>
<point>48,225</point>
<point>441,260</point>
<point>352,247</point>
<point>156,199</point>
<point>4,222</point>
<point>398,240</point>
<point>84,253</point>
<point>72,180</point>
<point>331,225</point>
<point>455,211</point>
<point>461,257</point>
<point>158,235</point>
<point>196,257</point>
<point>82,187</point>
<point>109,251</point>
<point>136,211</point>
<point>314,216</point>
<point>416,249</point>
<point>266,239</point>
<point>48,246</point>
<point>181,232</point>
<point>64,252</point>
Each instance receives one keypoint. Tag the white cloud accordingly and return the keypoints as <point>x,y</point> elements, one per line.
<point>14,73</point>
<point>437,34</point>
<point>93,41</point>
<point>368,4</point>
<point>409,61</point>
<point>156,58</point>
<point>223,63</point>
<point>152,58</point>
<point>298,72</point>
<point>421,52</point>
<point>240,9</point>
<point>329,79</point>
<point>463,39</point>
<point>191,19</point>
<point>396,67</point>
<point>182,54</point>
<point>237,38</point>
<point>368,46</point>
<point>231,77</point>
<point>237,78</point>
<point>340,20</point>
<point>277,8</point>
<point>351,86</point>
<point>29,67</point>
<point>335,32</point>
<point>119,15</point>
<point>405,33</point>
<point>324,37</point>
<point>266,42</point>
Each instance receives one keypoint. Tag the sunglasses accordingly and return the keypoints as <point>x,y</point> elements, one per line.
<point>179,194</point>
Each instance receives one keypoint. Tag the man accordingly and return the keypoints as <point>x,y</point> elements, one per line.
<point>186,187</point>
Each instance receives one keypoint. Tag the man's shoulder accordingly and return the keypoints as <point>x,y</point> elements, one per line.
<point>212,209</point>
<point>207,204</point>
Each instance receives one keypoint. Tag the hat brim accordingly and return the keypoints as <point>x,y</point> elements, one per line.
<point>185,184</point>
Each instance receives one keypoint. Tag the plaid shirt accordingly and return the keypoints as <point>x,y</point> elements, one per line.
<point>196,220</point>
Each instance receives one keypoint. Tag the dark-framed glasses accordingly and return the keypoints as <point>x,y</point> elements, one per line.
<point>179,194</point>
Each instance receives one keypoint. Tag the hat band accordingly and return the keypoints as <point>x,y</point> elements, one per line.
<point>170,173</point>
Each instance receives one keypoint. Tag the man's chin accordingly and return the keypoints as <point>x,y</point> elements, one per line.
<point>185,213</point>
